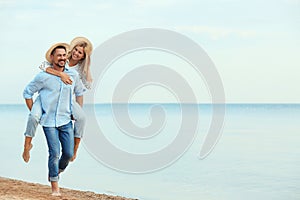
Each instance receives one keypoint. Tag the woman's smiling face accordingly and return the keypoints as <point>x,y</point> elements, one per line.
<point>78,53</point>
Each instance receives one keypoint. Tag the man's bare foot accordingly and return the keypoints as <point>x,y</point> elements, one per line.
<point>26,153</point>
<point>56,194</point>
<point>55,188</point>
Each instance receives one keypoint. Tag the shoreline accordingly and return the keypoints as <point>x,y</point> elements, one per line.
<point>12,189</point>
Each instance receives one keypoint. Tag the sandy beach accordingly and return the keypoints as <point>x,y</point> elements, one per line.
<point>11,189</point>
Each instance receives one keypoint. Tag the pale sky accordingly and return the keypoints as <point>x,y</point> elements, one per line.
<point>255,45</point>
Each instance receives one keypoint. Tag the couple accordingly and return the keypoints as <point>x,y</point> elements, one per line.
<point>66,73</point>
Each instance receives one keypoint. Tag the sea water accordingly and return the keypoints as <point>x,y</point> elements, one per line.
<point>256,157</point>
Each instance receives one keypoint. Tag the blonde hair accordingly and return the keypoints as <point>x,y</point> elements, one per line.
<point>84,64</point>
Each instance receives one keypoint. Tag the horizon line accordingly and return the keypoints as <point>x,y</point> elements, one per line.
<point>141,103</point>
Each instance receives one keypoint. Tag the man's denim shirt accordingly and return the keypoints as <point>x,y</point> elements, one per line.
<point>56,97</point>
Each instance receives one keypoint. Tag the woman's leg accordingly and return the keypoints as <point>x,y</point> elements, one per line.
<point>79,125</point>
<point>76,145</point>
<point>32,122</point>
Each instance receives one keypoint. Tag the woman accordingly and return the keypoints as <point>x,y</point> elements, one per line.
<point>78,59</point>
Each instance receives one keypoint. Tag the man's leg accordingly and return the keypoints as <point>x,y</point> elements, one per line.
<point>52,136</point>
<point>66,137</point>
<point>55,188</point>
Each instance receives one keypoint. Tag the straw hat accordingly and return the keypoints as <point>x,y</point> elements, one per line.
<point>77,40</point>
<point>48,53</point>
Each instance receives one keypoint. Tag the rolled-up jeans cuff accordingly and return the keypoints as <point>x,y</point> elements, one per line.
<point>54,179</point>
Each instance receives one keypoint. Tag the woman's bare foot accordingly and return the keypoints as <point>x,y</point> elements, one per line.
<point>26,153</point>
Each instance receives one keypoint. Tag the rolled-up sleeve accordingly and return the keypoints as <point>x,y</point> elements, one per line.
<point>34,86</point>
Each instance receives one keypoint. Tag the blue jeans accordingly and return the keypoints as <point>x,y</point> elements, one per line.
<point>36,113</point>
<point>59,136</point>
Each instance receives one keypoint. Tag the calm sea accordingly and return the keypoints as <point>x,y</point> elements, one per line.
<point>257,156</point>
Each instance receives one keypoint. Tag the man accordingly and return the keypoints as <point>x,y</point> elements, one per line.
<point>56,100</point>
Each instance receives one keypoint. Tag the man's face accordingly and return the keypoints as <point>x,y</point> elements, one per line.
<point>59,57</point>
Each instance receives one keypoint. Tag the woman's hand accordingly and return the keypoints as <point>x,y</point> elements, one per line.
<point>65,78</point>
